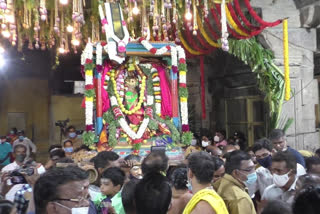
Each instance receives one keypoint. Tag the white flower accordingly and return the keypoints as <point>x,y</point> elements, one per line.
<point>113,101</point>
<point>183,79</point>
<point>149,100</point>
<point>158,108</point>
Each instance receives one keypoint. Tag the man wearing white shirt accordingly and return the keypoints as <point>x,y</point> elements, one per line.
<point>27,142</point>
<point>284,169</point>
<point>263,152</point>
<point>20,154</point>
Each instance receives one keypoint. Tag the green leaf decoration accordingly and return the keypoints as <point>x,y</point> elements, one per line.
<point>183,92</point>
<point>182,67</point>
<point>89,93</point>
<point>110,89</point>
<point>186,138</point>
<point>153,125</point>
<point>89,66</point>
<point>88,138</point>
<point>137,146</point>
<point>108,116</point>
<point>112,140</point>
<point>270,77</point>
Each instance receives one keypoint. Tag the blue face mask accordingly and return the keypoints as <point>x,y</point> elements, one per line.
<point>189,186</point>
<point>72,134</point>
<point>251,178</point>
<point>21,138</point>
<point>265,162</point>
<point>68,149</point>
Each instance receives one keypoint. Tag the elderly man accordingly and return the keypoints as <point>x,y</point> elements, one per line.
<point>279,141</point>
<point>240,171</point>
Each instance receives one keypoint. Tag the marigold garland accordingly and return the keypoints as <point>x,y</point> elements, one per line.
<point>286,59</point>
<point>187,47</point>
<point>234,25</point>
<point>205,35</point>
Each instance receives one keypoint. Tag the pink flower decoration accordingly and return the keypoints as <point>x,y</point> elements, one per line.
<point>185,128</point>
<point>89,128</point>
<point>104,22</point>
<point>124,23</point>
<point>121,49</point>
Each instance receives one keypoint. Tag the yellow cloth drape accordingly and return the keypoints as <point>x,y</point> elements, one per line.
<point>210,196</point>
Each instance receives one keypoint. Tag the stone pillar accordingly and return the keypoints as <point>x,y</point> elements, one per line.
<point>302,44</point>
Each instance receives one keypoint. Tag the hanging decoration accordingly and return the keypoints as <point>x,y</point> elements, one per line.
<point>286,59</point>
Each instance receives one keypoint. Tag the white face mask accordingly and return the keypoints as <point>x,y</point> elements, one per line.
<point>80,210</point>
<point>76,210</point>
<point>193,142</point>
<point>216,139</point>
<point>280,180</point>
<point>205,143</point>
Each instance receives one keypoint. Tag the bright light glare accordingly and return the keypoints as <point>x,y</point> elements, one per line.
<point>1,50</point>
<point>69,29</point>
<point>75,42</point>
<point>10,18</point>
<point>64,2</point>
<point>188,16</point>
<point>2,61</point>
<point>61,50</point>
<point>6,34</point>
<point>135,10</point>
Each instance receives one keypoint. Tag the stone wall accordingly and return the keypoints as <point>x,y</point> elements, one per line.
<point>302,45</point>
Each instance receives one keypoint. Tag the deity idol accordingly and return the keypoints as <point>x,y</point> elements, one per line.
<point>131,99</point>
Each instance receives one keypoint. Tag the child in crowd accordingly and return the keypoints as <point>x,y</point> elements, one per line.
<point>111,183</point>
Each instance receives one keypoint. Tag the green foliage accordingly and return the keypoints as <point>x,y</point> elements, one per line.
<point>112,140</point>
<point>182,67</point>
<point>175,134</point>
<point>270,77</point>
<point>108,116</point>
<point>89,138</point>
<point>153,125</point>
<point>137,146</point>
<point>110,88</point>
<point>89,93</point>
<point>186,138</point>
<point>183,92</point>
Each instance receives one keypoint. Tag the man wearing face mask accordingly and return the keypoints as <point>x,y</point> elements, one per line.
<point>240,172</point>
<point>284,170</point>
<point>63,191</point>
<point>20,154</point>
<point>279,141</point>
<point>205,142</point>
<point>72,135</point>
<point>22,139</point>
<point>263,150</point>
<point>220,138</point>
<point>194,147</point>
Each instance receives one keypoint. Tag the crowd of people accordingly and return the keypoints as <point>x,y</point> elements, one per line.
<point>219,175</point>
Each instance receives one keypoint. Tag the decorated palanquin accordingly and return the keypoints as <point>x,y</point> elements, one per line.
<point>135,91</point>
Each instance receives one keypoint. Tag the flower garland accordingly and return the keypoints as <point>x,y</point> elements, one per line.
<point>183,91</point>
<point>153,50</point>
<point>123,123</point>
<point>86,60</point>
<point>286,59</point>
<point>234,25</point>
<point>224,29</point>
<point>119,101</point>
<point>156,90</point>
<point>205,35</point>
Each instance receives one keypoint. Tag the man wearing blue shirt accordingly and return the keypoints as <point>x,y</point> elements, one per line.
<point>5,151</point>
<point>279,142</point>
